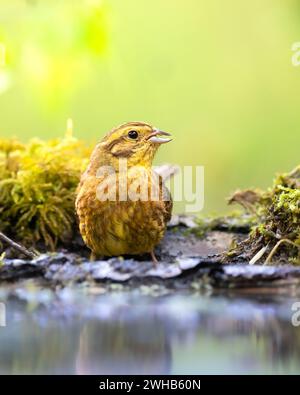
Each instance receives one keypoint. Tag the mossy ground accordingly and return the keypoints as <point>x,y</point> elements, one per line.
<point>276,235</point>
<point>38,181</point>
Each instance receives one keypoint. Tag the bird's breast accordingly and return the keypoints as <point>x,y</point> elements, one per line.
<point>123,224</point>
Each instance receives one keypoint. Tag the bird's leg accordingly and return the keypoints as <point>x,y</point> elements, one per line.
<point>154,260</point>
<point>95,257</point>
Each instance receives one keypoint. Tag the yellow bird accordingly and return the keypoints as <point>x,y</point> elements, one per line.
<point>123,206</point>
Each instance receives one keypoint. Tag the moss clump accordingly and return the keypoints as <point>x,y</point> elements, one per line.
<point>236,221</point>
<point>38,181</point>
<point>276,237</point>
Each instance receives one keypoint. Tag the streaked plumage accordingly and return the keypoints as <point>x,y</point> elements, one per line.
<point>112,228</point>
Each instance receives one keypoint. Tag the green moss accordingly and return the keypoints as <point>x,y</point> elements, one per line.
<point>277,212</point>
<point>37,189</point>
<point>236,221</point>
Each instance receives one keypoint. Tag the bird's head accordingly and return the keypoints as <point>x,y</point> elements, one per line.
<point>137,142</point>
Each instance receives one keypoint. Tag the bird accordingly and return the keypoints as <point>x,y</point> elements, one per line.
<point>115,221</point>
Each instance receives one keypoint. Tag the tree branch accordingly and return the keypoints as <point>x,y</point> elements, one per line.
<point>17,246</point>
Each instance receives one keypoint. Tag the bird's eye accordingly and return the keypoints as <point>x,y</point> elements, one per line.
<point>133,134</point>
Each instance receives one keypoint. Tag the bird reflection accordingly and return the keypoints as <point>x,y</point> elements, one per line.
<point>157,338</point>
<point>122,347</point>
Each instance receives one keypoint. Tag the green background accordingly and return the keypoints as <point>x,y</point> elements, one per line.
<point>217,74</point>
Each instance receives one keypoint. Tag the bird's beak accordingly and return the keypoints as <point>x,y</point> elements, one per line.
<point>154,137</point>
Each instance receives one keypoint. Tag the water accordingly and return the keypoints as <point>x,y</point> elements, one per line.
<point>79,332</point>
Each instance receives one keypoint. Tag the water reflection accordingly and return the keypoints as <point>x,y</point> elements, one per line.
<point>121,333</point>
<point>124,348</point>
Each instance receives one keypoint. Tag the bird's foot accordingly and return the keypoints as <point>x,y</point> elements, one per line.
<point>95,257</point>
<point>154,259</point>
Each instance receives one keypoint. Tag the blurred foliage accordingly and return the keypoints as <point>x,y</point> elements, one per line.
<point>37,188</point>
<point>53,48</point>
